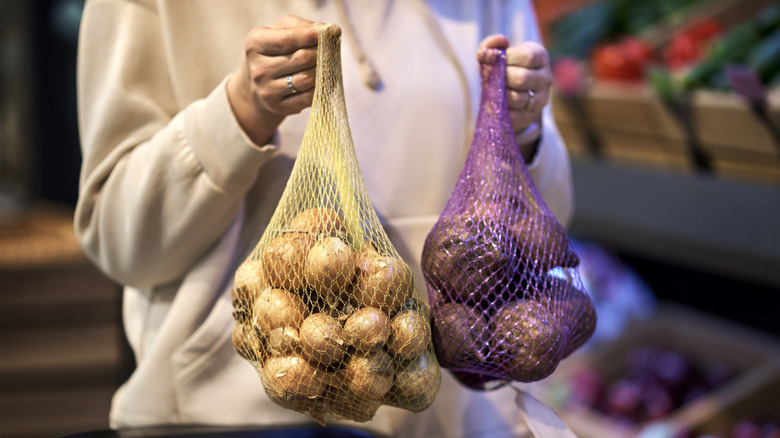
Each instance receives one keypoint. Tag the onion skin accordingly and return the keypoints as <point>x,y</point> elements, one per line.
<point>248,344</point>
<point>382,281</point>
<point>460,334</point>
<point>283,341</point>
<point>370,375</point>
<point>543,244</point>
<point>276,308</point>
<point>291,376</point>
<point>284,260</point>
<point>243,302</point>
<point>345,404</point>
<point>466,256</point>
<point>416,384</point>
<point>249,280</point>
<point>251,276</point>
<point>322,340</point>
<point>330,265</point>
<point>367,329</point>
<point>575,309</point>
<point>318,221</point>
<point>411,334</point>
<point>528,340</point>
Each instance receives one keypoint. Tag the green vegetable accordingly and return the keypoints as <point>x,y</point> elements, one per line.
<point>732,48</point>
<point>736,42</point>
<point>662,83</point>
<point>700,75</point>
<point>765,58</point>
<point>768,18</point>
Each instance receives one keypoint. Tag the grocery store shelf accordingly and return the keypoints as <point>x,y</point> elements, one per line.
<point>728,227</point>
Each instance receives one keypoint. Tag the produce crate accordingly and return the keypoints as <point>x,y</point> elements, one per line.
<point>629,124</point>
<point>617,66</point>
<point>704,339</point>
<point>573,128</point>
<point>739,143</point>
<point>756,400</point>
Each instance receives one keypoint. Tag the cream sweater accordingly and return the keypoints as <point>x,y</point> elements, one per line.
<point>173,195</point>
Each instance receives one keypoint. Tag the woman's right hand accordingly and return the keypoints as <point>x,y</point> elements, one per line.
<point>259,92</point>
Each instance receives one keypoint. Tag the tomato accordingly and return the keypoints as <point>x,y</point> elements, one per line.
<point>624,60</point>
<point>636,50</point>
<point>704,30</point>
<point>681,51</point>
<point>690,44</point>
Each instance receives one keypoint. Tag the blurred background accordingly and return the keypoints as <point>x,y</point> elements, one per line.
<point>671,112</point>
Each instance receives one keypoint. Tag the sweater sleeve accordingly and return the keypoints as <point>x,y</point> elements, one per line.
<point>159,184</point>
<point>551,172</point>
<point>551,167</point>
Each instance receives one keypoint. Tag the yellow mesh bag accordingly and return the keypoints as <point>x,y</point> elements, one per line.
<point>324,307</point>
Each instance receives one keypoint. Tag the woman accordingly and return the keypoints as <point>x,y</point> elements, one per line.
<point>191,115</point>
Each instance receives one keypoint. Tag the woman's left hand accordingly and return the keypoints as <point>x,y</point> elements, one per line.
<point>528,79</point>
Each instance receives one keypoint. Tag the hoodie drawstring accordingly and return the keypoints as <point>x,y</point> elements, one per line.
<point>370,76</point>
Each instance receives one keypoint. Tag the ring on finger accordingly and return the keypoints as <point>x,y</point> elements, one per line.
<point>529,105</point>
<point>290,85</point>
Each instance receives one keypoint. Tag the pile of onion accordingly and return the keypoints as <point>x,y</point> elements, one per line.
<point>333,329</point>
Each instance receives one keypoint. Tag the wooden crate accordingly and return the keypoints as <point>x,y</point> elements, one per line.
<point>570,124</point>
<point>773,100</point>
<point>629,123</point>
<point>725,121</point>
<point>745,165</point>
<point>758,398</point>
<point>633,126</point>
<point>740,144</point>
<point>630,148</point>
<point>704,339</point>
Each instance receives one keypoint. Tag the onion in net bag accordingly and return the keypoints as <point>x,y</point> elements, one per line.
<point>507,303</point>
<point>324,307</point>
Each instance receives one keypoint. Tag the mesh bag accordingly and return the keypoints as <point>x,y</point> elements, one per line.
<point>507,302</point>
<point>324,307</point>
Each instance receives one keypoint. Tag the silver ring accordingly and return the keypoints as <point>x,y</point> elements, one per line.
<point>290,85</point>
<point>529,106</point>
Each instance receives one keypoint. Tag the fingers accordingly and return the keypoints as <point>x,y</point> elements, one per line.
<point>286,49</point>
<point>528,81</point>
<point>297,83</point>
<point>520,79</point>
<point>291,21</point>
<point>295,103</point>
<point>529,55</point>
<point>271,41</point>
<point>527,101</point>
<point>278,97</point>
<point>494,42</point>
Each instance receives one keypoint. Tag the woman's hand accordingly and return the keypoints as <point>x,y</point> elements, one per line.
<point>276,77</point>
<point>528,81</point>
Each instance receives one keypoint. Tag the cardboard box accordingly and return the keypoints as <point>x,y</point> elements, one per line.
<point>703,338</point>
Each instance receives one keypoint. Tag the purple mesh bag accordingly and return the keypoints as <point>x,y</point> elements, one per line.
<point>507,302</point>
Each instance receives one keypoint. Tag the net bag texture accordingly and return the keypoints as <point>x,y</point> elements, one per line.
<point>324,307</point>
<point>507,302</point>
